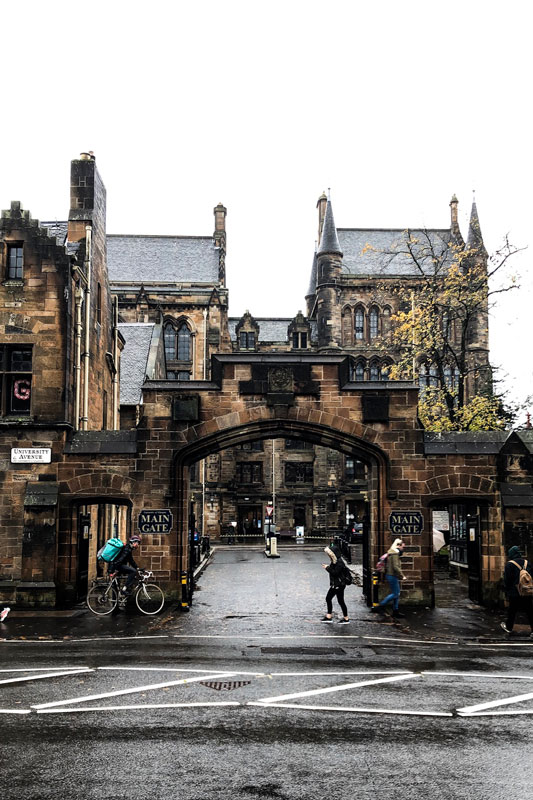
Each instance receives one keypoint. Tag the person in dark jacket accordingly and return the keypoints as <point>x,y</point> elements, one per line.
<point>125,564</point>
<point>337,584</point>
<point>510,580</point>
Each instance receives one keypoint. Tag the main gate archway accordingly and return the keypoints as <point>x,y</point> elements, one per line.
<point>333,436</point>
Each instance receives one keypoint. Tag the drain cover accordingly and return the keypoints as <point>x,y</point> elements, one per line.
<point>227,685</point>
<point>304,651</point>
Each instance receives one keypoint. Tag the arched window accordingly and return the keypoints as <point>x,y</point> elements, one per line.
<point>170,341</point>
<point>358,371</point>
<point>448,377</point>
<point>184,342</point>
<point>423,376</point>
<point>359,324</point>
<point>385,370</point>
<point>347,326</point>
<point>375,371</point>
<point>373,320</point>
<point>433,376</point>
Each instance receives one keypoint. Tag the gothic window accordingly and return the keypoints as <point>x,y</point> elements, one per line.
<point>15,262</point>
<point>358,371</point>
<point>373,322</point>
<point>375,371</point>
<point>298,472</point>
<point>170,342</point>
<point>433,376</point>
<point>347,327</point>
<point>359,324</point>
<point>15,380</point>
<point>385,322</point>
<point>184,343</point>
<point>385,371</point>
<point>249,472</point>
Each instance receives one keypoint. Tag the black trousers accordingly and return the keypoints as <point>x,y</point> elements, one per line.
<point>131,572</point>
<point>339,593</point>
<point>519,604</point>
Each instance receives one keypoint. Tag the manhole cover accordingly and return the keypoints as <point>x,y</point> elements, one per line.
<point>304,651</point>
<point>227,685</point>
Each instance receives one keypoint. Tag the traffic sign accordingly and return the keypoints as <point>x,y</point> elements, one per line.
<point>269,510</point>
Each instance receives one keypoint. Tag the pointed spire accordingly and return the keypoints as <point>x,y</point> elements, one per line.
<point>475,239</point>
<point>314,272</point>
<point>329,241</point>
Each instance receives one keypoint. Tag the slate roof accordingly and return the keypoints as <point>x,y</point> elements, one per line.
<point>57,229</point>
<point>464,442</point>
<point>133,361</point>
<point>162,259</point>
<point>270,329</point>
<point>329,242</point>
<point>367,251</point>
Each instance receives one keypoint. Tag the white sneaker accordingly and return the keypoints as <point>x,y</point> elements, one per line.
<point>4,614</point>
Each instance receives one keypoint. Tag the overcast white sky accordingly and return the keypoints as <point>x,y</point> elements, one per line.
<point>395,106</point>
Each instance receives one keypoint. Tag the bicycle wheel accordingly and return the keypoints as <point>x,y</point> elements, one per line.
<point>149,598</point>
<point>102,599</point>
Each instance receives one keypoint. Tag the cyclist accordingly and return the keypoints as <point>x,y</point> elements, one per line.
<point>124,564</point>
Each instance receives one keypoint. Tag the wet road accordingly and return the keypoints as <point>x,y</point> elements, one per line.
<point>275,703</point>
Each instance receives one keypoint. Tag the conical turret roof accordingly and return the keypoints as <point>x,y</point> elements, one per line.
<point>329,241</point>
<point>475,239</point>
<point>312,280</point>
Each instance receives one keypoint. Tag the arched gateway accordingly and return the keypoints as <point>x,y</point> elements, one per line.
<point>250,397</point>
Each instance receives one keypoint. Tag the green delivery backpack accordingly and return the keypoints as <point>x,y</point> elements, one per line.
<point>110,550</point>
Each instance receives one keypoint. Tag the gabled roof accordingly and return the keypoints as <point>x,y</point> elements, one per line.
<point>162,259</point>
<point>463,442</point>
<point>271,329</point>
<point>376,251</point>
<point>134,360</point>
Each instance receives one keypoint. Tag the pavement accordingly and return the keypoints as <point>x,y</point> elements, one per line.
<point>292,589</point>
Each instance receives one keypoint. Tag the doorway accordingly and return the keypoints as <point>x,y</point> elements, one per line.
<point>250,520</point>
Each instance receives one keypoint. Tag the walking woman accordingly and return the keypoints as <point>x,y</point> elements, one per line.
<point>393,575</point>
<point>337,584</point>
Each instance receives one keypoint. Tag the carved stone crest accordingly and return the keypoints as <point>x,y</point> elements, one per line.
<point>280,379</point>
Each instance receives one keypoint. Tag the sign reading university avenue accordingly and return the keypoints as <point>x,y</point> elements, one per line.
<point>406,523</point>
<point>155,520</point>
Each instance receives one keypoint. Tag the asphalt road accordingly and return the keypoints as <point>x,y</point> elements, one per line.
<point>251,696</point>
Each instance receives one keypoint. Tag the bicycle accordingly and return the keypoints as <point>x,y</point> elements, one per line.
<point>104,597</point>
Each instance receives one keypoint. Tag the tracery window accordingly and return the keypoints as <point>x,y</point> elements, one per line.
<point>359,324</point>
<point>373,322</point>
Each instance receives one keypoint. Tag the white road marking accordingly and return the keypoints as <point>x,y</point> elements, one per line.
<point>408,641</point>
<point>15,711</point>
<point>354,709</point>
<point>264,636</point>
<point>180,669</point>
<point>341,688</point>
<point>479,675</point>
<point>131,691</point>
<point>48,675</point>
<point>132,708</point>
<point>346,672</point>
<point>498,644</point>
<point>41,669</point>
<point>513,713</point>
<point>469,710</point>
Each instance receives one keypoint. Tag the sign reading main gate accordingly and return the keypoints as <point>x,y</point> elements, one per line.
<point>406,523</point>
<point>155,520</point>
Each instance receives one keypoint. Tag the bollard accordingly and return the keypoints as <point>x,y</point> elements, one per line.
<point>375,589</point>
<point>184,592</point>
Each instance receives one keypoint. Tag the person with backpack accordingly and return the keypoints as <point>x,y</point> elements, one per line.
<point>393,574</point>
<point>124,563</point>
<point>518,584</point>
<point>339,578</point>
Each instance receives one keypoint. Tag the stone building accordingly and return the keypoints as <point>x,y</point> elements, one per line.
<point>127,389</point>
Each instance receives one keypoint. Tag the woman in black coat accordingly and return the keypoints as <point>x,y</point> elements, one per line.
<point>337,583</point>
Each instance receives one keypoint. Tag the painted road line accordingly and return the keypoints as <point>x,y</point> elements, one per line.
<point>131,691</point>
<point>41,669</point>
<point>182,669</point>
<point>346,672</point>
<point>498,644</point>
<point>265,636</point>
<point>479,675</point>
<point>87,639</point>
<point>135,708</point>
<point>341,688</point>
<point>513,713</point>
<point>352,709</point>
<point>519,698</point>
<point>15,711</point>
<point>408,641</point>
<point>48,675</point>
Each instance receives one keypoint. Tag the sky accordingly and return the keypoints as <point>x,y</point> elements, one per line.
<point>393,106</point>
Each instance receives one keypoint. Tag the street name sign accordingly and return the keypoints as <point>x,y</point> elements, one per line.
<point>406,523</point>
<point>31,455</point>
<point>153,520</point>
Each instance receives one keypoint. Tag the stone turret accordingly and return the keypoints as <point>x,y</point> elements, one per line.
<point>329,269</point>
